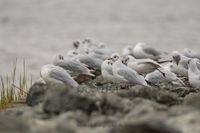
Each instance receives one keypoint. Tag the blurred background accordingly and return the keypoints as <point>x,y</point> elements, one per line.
<point>37,29</point>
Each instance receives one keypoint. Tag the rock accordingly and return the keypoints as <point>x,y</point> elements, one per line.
<point>151,93</point>
<point>145,124</point>
<point>187,122</point>
<point>144,107</point>
<point>10,124</point>
<point>62,100</point>
<point>193,100</point>
<point>36,94</point>
<point>101,121</point>
<point>183,91</point>
<point>111,104</point>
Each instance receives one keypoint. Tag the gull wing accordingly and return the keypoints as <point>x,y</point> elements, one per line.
<point>151,51</point>
<point>63,76</point>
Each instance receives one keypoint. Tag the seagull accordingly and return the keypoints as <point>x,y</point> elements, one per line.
<point>180,64</point>
<point>142,66</point>
<point>142,50</point>
<point>55,75</point>
<point>100,51</point>
<point>124,73</point>
<point>191,54</point>
<point>194,73</point>
<point>106,70</point>
<point>73,67</point>
<point>127,50</point>
<point>157,77</point>
<point>72,53</point>
<point>89,60</point>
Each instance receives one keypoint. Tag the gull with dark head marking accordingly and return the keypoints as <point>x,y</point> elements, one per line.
<point>74,67</point>
<point>142,66</point>
<point>142,50</point>
<point>180,64</point>
<point>194,73</point>
<point>124,73</point>
<point>55,75</point>
<point>106,70</point>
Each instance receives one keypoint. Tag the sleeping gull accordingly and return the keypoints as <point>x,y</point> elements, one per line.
<point>142,66</point>
<point>142,50</point>
<point>89,60</point>
<point>73,67</point>
<point>157,77</point>
<point>191,54</point>
<point>194,73</point>
<point>55,75</point>
<point>127,50</point>
<point>106,70</point>
<point>124,73</point>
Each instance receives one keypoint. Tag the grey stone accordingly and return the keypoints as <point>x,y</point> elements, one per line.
<point>152,93</point>
<point>36,94</point>
<point>10,124</point>
<point>62,100</point>
<point>146,124</point>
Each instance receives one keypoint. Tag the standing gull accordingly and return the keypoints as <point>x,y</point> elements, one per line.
<point>55,75</point>
<point>194,73</point>
<point>142,50</point>
<point>124,73</point>
<point>180,64</point>
<point>74,67</point>
<point>106,70</point>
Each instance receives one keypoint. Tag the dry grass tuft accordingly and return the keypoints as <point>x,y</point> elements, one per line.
<point>12,90</point>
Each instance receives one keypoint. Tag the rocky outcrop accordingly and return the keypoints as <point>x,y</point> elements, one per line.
<point>96,106</point>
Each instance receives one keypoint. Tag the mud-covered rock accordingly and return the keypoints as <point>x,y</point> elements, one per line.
<point>144,124</point>
<point>193,100</point>
<point>36,94</point>
<point>110,104</point>
<point>62,100</point>
<point>152,93</point>
<point>10,124</point>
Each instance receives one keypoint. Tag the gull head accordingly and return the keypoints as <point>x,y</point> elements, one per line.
<point>109,62</point>
<point>127,59</point>
<point>101,45</point>
<point>76,44</point>
<point>193,61</point>
<point>193,65</point>
<point>187,50</point>
<point>115,57</point>
<point>141,44</point>
<point>72,53</point>
<point>57,57</point>
<point>176,57</point>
